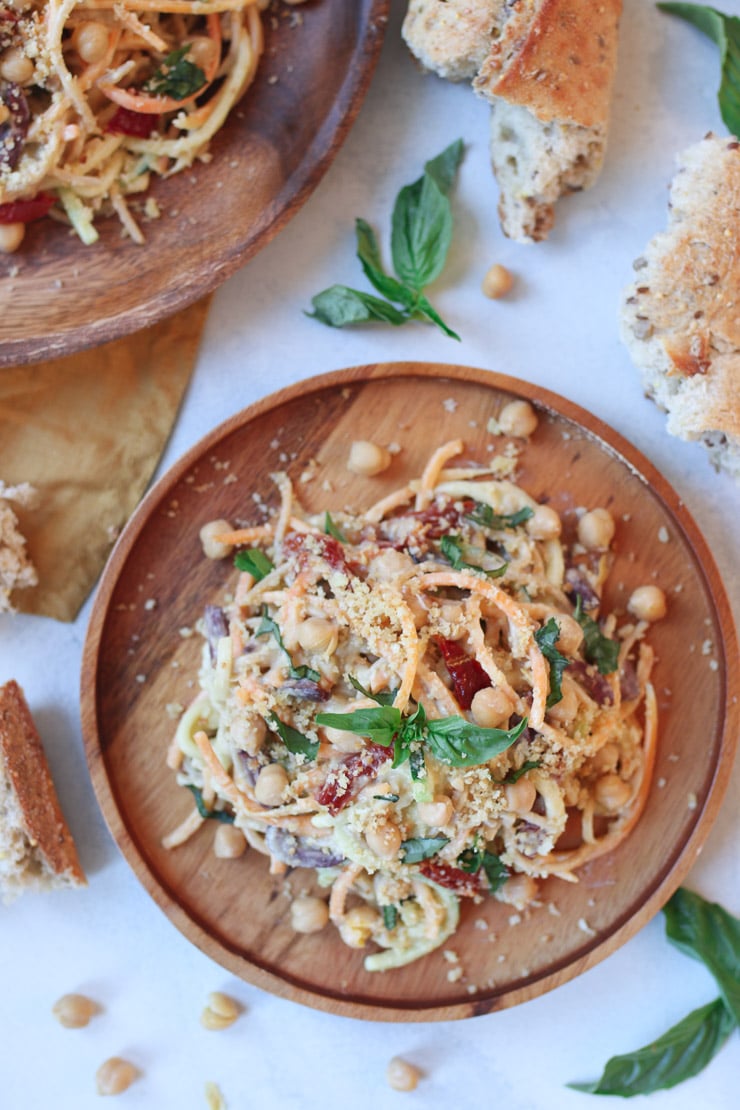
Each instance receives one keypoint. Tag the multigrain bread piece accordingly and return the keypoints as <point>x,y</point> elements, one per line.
<point>36,847</point>
<point>549,77</point>
<point>451,37</point>
<point>680,318</point>
<point>16,570</point>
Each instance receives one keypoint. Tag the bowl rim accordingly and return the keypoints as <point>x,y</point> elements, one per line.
<point>593,951</point>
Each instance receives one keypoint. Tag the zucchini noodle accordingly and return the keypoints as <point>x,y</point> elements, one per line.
<point>99,96</point>
<point>416,685</point>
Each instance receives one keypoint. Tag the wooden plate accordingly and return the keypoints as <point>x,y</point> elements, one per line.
<point>58,296</point>
<point>137,662</point>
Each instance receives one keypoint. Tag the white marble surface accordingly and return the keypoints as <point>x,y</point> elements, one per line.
<point>558,330</point>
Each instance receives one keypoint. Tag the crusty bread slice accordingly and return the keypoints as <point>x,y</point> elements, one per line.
<point>16,570</point>
<point>451,37</point>
<point>681,316</point>
<point>549,77</point>
<point>36,847</point>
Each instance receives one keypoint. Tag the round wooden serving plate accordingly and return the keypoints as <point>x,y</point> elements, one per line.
<point>58,296</point>
<point>138,661</point>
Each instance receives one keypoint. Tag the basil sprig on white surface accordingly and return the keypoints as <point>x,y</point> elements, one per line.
<point>725,31</point>
<point>420,239</point>
<point>707,932</point>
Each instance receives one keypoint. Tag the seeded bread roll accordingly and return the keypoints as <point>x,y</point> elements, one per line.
<point>681,316</point>
<point>450,37</point>
<point>36,847</point>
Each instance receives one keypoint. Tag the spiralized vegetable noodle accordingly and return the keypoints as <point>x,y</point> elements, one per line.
<point>100,95</point>
<point>422,702</point>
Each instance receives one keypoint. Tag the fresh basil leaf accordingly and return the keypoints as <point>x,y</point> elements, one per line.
<point>330,529</point>
<point>423,308</point>
<point>514,776</point>
<point>725,31</point>
<point>707,932</point>
<point>294,741</point>
<point>269,627</point>
<point>176,77</point>
<point>417,764</point>
<point>379,725</point>
<point>421,232</point>
<point>443,169</point>
<point>368,253</point>
<point>386,797</point>
<point>217,814</point>
<point>546,638</point>
<point>452,548</point>
<point>459,743</point>
<point>254,561</point>
<point>339,305</point>
<point>412,732</point>
<point>597,648</point>
<point>679,1054</point>
<point>487,518</point>
<point>496,872</point>
<point>390,917</point>
<point>419,848</point>
<point>385,697</point>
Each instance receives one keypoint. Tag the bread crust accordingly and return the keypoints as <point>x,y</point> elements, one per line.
<point>558,62</point>
<point>27,769</point>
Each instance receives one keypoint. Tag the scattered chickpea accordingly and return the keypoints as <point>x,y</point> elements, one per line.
<point>317,634</point>
<point>438,812</point>
<point>571,634</point>
<point>213,548</point>
<point>16,67</point>
<point>74,1011</point>
<point>564,711</point>
<point>358,925</point>
<point>497,282</point>
<point>606,758</point>
<point>367,458</point>
<point>401,1075</point>
<point>518,418</point>
<point>250,730</point>
<point>221,1011</point>
<point>90,40</point>
<point>115,1076</point>
<point>270,785</point>
<point>647,603</point>
<point>520,795</point>
<point>229,842</point>
<point>11,237</point>
<point>349,742</point>
<point>390,564</point>
<point>518,891</point>
<point>596,529</point>
<point>611,792</point>
<point>491,707</point>
<point>544,523</point>
<point>308,914</point>
<point>203,51</point>
<point>384,840</point>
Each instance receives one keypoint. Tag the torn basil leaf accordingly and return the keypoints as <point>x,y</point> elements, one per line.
<point>390,917</point>
<point>216,814</point>
<point>330,529</point>
<point>460,743</point>
<point>484,516</point>
<point>453,548</point>
<point>725,31</point>
<point>597,648</point>
<point>707,932</point>
<point>294,740</point>
<point>546,638</point>
<point>254,562</point>
<point>419,848</point>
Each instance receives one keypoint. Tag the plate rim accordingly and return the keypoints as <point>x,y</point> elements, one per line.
<point>611,441</point>
<point>209,276</point>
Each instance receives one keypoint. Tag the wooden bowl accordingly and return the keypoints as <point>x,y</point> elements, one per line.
<point>137,662</point>
<point>58,296</point>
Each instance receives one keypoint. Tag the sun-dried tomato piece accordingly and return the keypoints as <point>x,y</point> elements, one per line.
<point>308,546</point>
<point>468,677</point>
<point>453,878</point>
<point>139,125</point>
<point>346,780</point>
<point>439,519</point>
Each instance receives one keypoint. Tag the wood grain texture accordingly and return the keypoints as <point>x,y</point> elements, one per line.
<point>136,662</point>
<point>58,296</point>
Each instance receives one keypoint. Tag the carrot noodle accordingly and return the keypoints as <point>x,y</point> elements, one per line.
<point>391,622</point>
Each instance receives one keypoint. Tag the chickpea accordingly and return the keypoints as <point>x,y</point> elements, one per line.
<point>74,1011</point>
<point>544,524</point>
<point>229,842</point>
<point>647,603</point>
<point>571,634</point>
<point>596,529</point>
<point>564,711</point>
<point>606,758</point>
<point>367,458</point>
<point>491,707</point>
<point>213,548</point>
<point>358,925</point>
<point>115,1076</point>
<point>343,741</point>
<point>11,237</point>
<point>497,282</point>
<point>611,792</point>
<point>271,783</point>
<point>317,634</point>
<point>520,795</point>
<point>91,40</point>
<point>384,840</point>
<point>390,564</point>
<point>518,418</point>
<point>220,1012</point>
<point>401,1075</point>
<point>203,52</point>
<point>438,812</point>
<point>250,731</point>
<point>308,914</point>
<point>518,891</point>
<point>17,67</point>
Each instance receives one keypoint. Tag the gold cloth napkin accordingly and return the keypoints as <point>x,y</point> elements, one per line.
<point>87,431</point>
